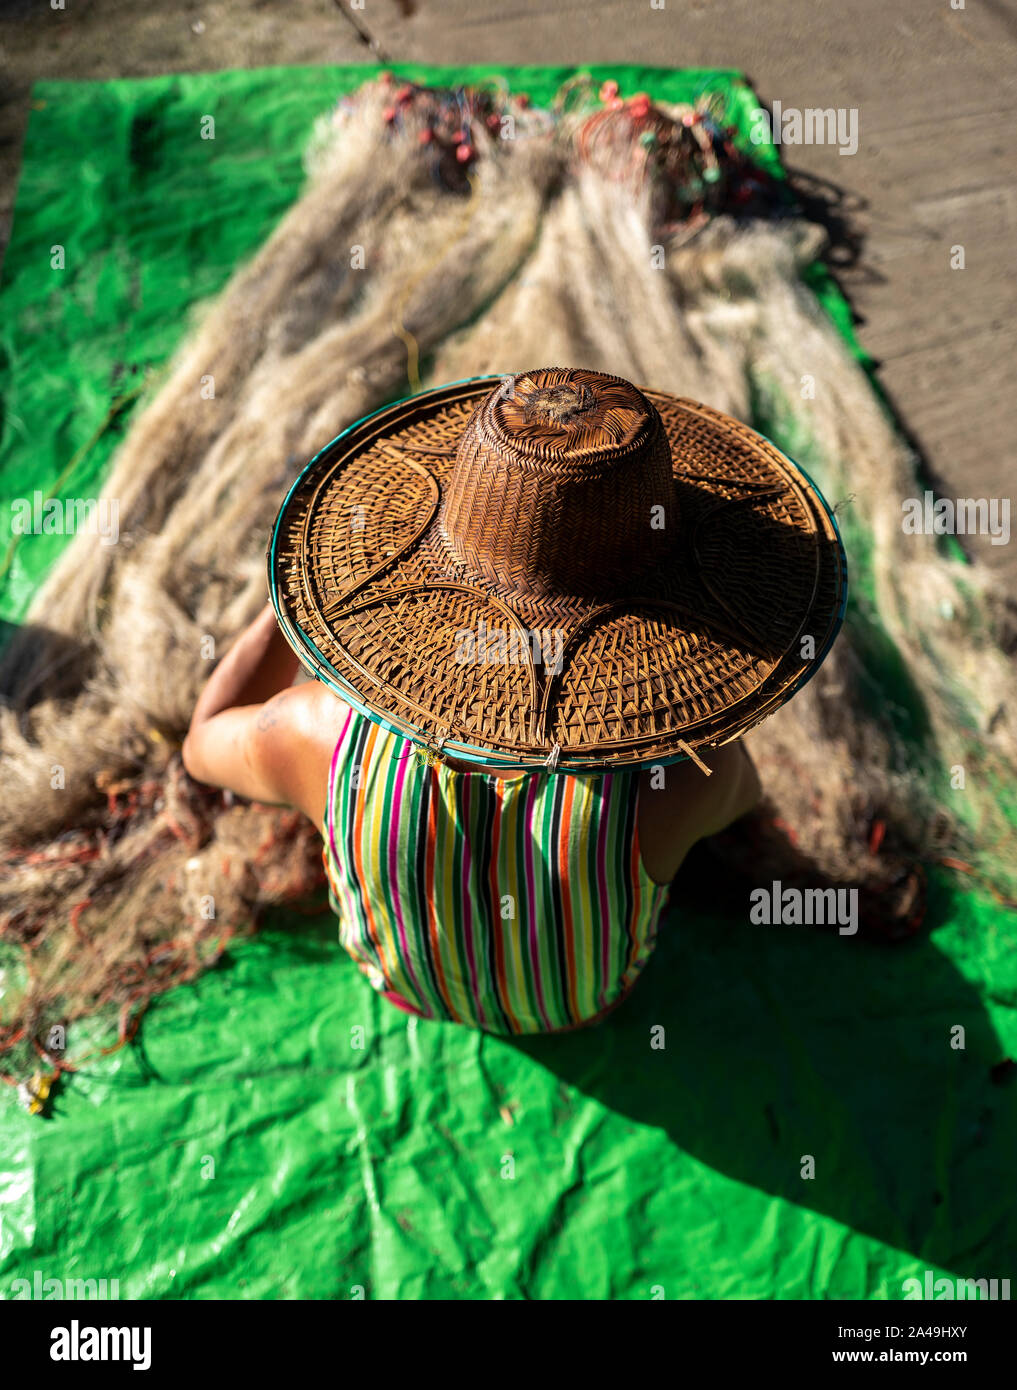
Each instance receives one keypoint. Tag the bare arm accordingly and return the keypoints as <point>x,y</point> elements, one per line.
<point>689,806</point>
<point>258,665</point>
<point>256,734</point>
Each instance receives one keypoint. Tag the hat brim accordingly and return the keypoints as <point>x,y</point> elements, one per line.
<point>373,604</point>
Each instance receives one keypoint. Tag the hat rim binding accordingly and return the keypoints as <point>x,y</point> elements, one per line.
<point>317,665</point>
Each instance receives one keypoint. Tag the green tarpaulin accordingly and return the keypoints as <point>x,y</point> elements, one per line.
<point>278,1131</point>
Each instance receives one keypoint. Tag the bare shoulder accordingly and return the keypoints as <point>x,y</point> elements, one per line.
<point>297,731</point>
<point>309,708</point>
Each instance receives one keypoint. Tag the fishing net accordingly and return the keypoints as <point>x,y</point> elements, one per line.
<point>445,233</point>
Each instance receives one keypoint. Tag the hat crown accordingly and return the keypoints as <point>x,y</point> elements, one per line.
<point>556,478</point>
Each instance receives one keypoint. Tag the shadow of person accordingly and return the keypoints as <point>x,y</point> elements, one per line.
<point>38,663</point>
<point>757,1047</point>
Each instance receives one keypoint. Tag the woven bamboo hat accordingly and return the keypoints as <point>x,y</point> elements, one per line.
<point>557,570</point>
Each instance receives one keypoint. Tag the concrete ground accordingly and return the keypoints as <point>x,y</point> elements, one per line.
<point>934,85</point>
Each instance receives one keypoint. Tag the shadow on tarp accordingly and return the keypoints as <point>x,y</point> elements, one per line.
<point>912,1138</point>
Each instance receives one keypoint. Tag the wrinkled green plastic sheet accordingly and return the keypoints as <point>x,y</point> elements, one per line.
<point>805,1131</point>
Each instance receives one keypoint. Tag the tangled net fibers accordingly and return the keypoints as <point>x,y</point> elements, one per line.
<point>624,236</point>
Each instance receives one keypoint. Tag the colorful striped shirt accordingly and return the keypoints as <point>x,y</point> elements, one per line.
<point>514,906</point>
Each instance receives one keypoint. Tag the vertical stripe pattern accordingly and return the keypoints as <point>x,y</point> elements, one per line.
<point>516,906</point>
